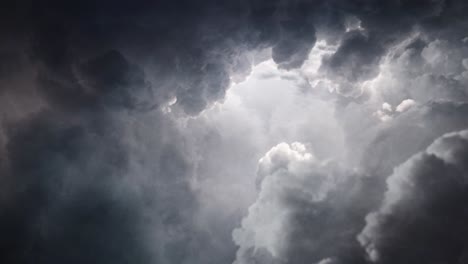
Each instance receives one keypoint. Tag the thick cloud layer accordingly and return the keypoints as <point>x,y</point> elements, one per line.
<point>424,208</point>
<point>307,211</point>
<point>132,131</point>
<point>192,48</point>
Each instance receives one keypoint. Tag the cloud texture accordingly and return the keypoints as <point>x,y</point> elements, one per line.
<point>233,132</point>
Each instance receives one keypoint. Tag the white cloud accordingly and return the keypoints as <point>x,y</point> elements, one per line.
<point>405,105</point>
<point>286,171</point>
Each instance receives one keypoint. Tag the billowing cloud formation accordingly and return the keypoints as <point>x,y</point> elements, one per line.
<point>424,208</point>
<point>191,49</point>
<point>131,131</point>
<point>81,185</point>
<point>303,213</point>
<point>286,172</point>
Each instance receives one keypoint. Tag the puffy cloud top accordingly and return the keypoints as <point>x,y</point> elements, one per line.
<point>423,213</point>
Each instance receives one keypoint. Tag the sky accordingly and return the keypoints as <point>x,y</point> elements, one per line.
<point>234,132</point>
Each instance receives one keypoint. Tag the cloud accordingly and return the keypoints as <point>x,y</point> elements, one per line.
<point>61,205</point>
<point>108,80</point>
<point>116,147</point>
<point>81,185</point>
<point>191,56</point>
<point>297,37</point>
<point>356,60</point>
<point>282,171</point>
<point>423,213</point>
<point>410,132</point>
<point>305,211</point>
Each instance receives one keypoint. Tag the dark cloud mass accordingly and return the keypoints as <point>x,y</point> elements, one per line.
<point>424,208</point>
<point>162,131</point>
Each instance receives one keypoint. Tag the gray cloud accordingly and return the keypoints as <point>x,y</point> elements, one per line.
<point>356,60</point>
<point>424,208</point>
<point>307,210</point>
<point>112,149</point>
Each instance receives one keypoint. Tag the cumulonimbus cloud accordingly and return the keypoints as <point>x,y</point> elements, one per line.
<point>424,208</point>
<point>108,127</point>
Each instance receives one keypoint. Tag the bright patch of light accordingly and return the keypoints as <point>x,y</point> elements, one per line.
<point>405,105</point>
<point>312,64</point>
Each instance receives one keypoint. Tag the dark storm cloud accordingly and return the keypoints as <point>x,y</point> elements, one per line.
<point>121,83</point>
<point>72,190</point>
<point>406,134</point>
<point>61,206</point>
<point>412,132</point>
<point>107,80</point>
<point>76,192</point>
<point>86,183</point>
<point>190,49</point>
<point>423,215</point>
<point>296,39</point>
<point>356,60</point>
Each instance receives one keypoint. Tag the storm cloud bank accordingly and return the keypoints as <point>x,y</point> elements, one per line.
<point>233,132</point>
